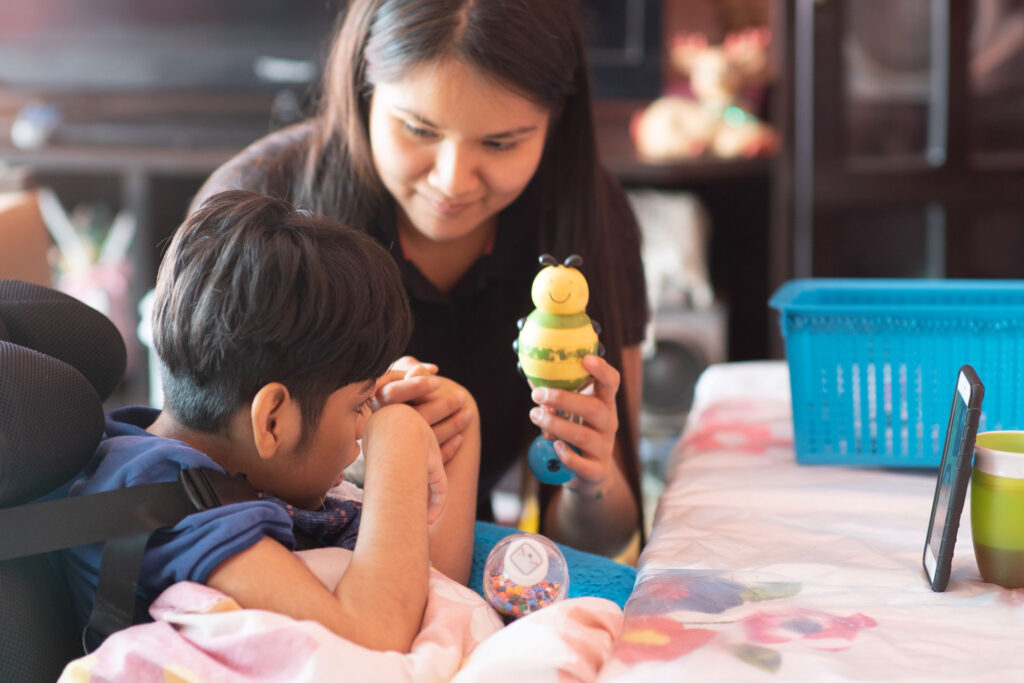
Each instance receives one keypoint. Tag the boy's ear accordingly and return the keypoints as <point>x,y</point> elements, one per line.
<point>276,420</point>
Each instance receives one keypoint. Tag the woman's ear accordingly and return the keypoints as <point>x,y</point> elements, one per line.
<point>276,420</point>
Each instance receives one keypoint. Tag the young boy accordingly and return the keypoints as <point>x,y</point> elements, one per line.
<point>275,328</point>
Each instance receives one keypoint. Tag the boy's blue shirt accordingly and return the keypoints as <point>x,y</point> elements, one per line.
<point>129,456</point>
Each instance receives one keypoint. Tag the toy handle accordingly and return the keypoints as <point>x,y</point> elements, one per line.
<point>544,461</point>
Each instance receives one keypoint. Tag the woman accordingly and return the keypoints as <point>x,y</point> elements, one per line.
<point>459,133</point>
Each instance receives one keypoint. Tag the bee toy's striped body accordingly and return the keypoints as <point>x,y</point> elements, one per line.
<point>552,346</point>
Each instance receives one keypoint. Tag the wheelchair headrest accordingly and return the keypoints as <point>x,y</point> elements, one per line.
<point>61,326</point>
<point>51,420</point>
<point>58,361</point>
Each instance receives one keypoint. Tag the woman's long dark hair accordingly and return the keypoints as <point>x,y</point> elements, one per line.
<point>533,47</point>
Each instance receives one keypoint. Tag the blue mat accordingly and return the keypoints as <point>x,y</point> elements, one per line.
<point>589,575</point>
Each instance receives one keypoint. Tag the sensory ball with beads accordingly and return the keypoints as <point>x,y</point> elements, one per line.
<point>523,573</point>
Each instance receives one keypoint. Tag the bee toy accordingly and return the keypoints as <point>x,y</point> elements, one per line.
<point>552,342</point>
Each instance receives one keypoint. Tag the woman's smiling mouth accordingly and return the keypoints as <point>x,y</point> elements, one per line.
<point>446,208</point>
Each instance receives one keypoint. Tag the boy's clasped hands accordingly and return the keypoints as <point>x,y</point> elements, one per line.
<point>446,408</point>
<point>443,405</point>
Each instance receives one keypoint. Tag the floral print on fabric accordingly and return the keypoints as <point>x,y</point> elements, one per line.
<point>657,628</point>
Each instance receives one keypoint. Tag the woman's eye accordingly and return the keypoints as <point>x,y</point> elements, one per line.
<point>500,145</point>
<point>363,407</point>
<point>415,130</point>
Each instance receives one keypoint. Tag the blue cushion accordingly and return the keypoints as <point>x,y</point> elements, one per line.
<point>589,575</point>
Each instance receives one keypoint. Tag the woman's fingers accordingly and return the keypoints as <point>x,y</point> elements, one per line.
<point>387,378</point>
<point>450,447</point>
<point>440,408</point>
<point>593,425</point>
<point>585,468</point>
<point>595,412</point>
<point>402,390</point>
<point>444,406</point>
<point>447,412</point>
<point>407,381</point>
<point>452,425</point>
<point>409,364</point>
<point>556,426</point>
<point>421,370</point>
<point>606,377</point>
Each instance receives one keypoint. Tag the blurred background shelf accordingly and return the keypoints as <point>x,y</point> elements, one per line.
<point>141,132</point>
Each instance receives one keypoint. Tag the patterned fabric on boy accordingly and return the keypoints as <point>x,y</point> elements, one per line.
<point>336,523</point>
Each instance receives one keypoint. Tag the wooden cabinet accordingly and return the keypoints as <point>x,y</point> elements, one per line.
<point>903,154</point>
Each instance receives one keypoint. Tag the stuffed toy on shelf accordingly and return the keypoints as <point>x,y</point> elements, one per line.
<point>715,118</point>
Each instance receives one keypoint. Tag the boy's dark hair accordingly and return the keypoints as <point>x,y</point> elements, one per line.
<point>253,291</point>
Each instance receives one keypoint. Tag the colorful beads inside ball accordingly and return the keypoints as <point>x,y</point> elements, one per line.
<point>558,333</point>
<point>523,573</point>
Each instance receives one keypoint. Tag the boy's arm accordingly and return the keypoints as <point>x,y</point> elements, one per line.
<point>380,599</point>
<point>453,415</point>
<point>270,577</point>
<point>451,536</point>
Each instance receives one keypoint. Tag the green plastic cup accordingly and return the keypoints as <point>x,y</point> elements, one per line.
<point>997,507</point>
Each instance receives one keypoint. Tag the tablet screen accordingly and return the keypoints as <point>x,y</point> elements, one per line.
<point>954,439</point>
<point>953,476</point>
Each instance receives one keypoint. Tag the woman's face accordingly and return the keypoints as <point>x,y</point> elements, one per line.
<point>452,147</point>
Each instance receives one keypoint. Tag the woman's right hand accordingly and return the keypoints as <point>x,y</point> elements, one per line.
<point>445,405</point>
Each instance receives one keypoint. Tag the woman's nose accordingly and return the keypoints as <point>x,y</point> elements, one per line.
<point>454,173</point>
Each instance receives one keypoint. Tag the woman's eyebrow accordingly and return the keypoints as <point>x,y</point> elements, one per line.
<point>512,133</point>
<point>412,114</point>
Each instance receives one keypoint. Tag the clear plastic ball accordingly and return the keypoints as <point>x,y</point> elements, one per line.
<point>523,573</point>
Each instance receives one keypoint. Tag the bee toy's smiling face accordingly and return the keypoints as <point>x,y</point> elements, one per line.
<point>560,290</point>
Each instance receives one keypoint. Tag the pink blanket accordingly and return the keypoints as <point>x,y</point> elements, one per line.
<point>200,634</point>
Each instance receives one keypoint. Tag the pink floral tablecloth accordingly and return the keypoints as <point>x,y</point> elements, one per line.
<point>762,569</point>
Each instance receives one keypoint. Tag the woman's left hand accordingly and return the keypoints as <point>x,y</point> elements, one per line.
<point>595,438</point>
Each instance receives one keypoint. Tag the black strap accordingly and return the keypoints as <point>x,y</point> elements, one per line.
<point>118,580</point>
<point>121,563</point>
<point>125,519</point>
<point>57,524</point>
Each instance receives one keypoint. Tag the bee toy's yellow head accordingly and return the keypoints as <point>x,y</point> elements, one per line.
<point>556,336</point>
<point>560,289</point>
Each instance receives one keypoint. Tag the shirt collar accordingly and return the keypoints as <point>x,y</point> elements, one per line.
<point>509,258</point>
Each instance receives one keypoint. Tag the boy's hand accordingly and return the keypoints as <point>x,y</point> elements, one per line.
<point>443,404</point>
<point>437,483</point>
<point>391,431</point>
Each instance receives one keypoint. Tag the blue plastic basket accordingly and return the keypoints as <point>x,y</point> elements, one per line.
<point>873,363</point>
